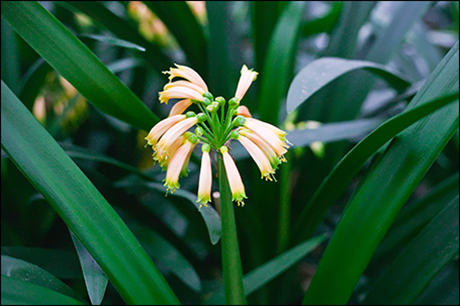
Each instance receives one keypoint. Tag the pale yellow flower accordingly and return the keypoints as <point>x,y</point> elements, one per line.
<point>161,127</point>
<point>176,165</point>
<point>205,181</point>
<point>259,157</point>
<point>180,107</point>
<point>246,79</point>
<point>162,157</point>
<point>243,111</point>
<point>276,142</point>
<point>188,74</point>
<point>172,134</point>
<point>234,178</point>
<point>179,92</point>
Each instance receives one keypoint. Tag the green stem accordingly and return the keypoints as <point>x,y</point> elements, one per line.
<point>285,206</point>
<point>231,261</point>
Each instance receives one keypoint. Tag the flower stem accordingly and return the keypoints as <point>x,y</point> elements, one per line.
<point>231,261</point>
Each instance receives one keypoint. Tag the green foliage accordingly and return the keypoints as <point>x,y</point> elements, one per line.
<point>367,91</point>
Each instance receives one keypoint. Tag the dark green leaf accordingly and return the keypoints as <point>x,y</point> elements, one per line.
<point>114,41</point>
<point>279,62</point>
<point>420,261</point>
<point>18,292</point>
<point>80,205</point>
<point>375,204</point>
<point>75,62</point>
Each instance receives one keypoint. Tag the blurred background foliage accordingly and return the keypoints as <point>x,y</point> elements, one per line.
<point>102,126</point>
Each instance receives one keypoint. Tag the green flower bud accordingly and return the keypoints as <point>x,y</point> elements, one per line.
<point>215,104</point>
<point>221,101</point>
<point>223,149</point>
<point>205,148</point>
<point>187,135</point>
<point>208,95</point>
<point>234,103</point>
<point>193,139</point>
<point>211,108</point>
<point>206,101</point>
<point>199,131</point>
<point>190,114</point>
<point>235,134</point>
<point>201,117</point>
<point>239,121</point>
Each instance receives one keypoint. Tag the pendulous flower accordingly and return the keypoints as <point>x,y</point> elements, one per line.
<point>215,127</point>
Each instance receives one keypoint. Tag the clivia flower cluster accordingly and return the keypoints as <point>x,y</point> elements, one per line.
<point>173,144</point>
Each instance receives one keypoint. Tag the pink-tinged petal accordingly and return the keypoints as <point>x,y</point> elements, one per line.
<point>180,107</point>
<point>246,79</point>
<point>264,146</point>
<point>161,127</point>
<point>259,157</point>
<point>243,111</point>
<point>179,92</point>
<point>279,146</point>
<point>234,178</point>
<point>184,84</point>
<point>176,164</point>
<point>205,181</point>
<point>188,74</point>
<point>172,134</point>
<point>162,157</point>
<point>280,133</point>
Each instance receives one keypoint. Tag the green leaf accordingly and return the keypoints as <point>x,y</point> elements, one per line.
<point>80,205</point>
<point>209,214</point>
<point>10,63</point>
<point>114,41</point>
<point>60,263</point>
<point>338,179</point>
<point>331,132</point>
<point>179,19</point>
<point>416,216</point>
<point>224,66</point>
<point>420,261</point>
<point>279,62</point>
<point>326,22</point>
<point>95,278</point>
<point>76,63</point>
<point>321,72</point>
<point>32,82</point>
<point>18,292</point>
<point>23,270</point>
<point>122,29</point>
<point>265,15</point>
<point>262,275</point>
<point>166,254</point>
<point>376,203</point>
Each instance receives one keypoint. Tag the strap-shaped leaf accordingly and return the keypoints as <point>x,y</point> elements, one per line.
<point>19,292</point>
<point>386,188</point>
<point>76,63</point>
<point>321,72</point>
<point>80,205</point>
<point>420,261</point>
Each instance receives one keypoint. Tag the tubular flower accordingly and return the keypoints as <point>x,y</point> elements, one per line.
<point>262,161</point>
<point>246,79</point>
<point>188,74</point>
<point>265,147</point>
<point>159,129</point>
<point>273,139</point>
<point>179,92</point>
<point>243,111</point>
<point>216,126</point>
<point>205,182</point>
<point>172,134</point>
<point>176,165</point>
<point>180,107</point>
<point>234,178</point>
